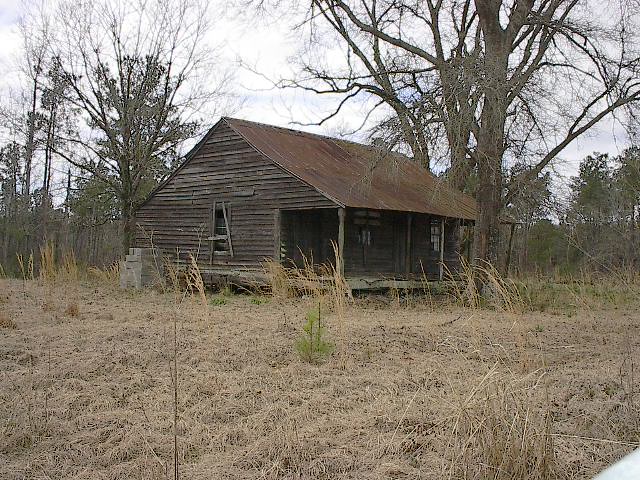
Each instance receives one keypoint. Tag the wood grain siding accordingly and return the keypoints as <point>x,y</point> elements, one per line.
<point>225,169</point>
<point>423,258</point>
<point>452,245</point>
<point>383,254</point>
<point>308,234</point>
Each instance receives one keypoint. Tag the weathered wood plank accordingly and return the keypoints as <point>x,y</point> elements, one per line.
<point>229,170</point>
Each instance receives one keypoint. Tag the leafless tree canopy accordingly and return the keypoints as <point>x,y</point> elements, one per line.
<point>478,85</point>
<point>112,90</point>
<point>132,70</point>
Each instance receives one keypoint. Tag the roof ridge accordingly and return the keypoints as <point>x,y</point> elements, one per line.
<point>311,134</point>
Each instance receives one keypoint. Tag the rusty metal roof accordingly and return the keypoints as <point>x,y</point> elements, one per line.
<point>355,175</point>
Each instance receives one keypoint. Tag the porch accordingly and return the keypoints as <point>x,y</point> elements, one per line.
<point>379,249</point>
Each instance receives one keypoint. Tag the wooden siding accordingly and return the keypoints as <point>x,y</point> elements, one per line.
<point>225,169</point>
<point>423,257</point>
<point>308,233</point>
<point>384,253</point>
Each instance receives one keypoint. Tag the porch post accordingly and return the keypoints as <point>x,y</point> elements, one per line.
<point>441,272</point>
<point>277,227</point>
<point>341,241</point>
<point>408,247</point>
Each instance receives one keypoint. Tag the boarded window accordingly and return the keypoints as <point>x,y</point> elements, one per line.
<point>435,235</point>
<point>220,230</point>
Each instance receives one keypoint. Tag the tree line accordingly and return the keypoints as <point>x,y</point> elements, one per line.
<point>108,93</point>
<point>592,226</point>
<point>488,93</point>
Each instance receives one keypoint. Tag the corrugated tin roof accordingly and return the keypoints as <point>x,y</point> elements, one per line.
<point>356,175</point>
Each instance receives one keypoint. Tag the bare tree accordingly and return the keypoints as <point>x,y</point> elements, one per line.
<point>139,72</point>
<point>34,29</point>
<point>9,180</point>
<point>498,80</point>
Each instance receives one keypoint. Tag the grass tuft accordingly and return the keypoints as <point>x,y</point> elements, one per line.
<point>72,310</point>
<point>7,322</point>
<point>500,428</point>
<point>108,275</point>
<point>259,300</point>
<point>499,293</point>
<point>195,284</point>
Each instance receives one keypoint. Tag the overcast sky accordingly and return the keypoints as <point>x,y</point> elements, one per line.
<point>268,48</point>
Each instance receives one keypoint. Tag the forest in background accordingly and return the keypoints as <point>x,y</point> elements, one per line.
<point>107,100</point>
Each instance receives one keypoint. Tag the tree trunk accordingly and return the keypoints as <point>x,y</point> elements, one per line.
<point>487,232</point>
<point>490,182</point>
<point>128,226</point>
<point>30,144</point>
<point>490,139</point>
<point>67,199</point>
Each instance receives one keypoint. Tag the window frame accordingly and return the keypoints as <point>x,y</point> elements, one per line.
<point>435,235</point>
<point>220,218</point>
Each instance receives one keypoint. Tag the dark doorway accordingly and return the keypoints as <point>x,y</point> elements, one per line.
<point>308,234</point>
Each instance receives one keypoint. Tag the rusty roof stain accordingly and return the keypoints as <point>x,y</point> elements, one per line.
<point>356,175</point>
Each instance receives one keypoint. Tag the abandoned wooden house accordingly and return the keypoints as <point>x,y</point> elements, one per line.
<point>249,192</point>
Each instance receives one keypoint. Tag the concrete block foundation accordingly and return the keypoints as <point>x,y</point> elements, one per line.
<point>140,269</point>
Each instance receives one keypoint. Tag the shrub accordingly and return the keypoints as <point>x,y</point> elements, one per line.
<point>312,346</point>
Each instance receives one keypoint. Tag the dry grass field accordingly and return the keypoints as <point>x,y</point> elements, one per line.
<point>413,389</point>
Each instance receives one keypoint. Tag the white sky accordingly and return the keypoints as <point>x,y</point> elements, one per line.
<point>268,48</point>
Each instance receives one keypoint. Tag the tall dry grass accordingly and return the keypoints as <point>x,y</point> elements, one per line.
<point>68,269</point>
<point>279,279</point>
<point>311,280</point>
<point>500,428</point>
<point>26,266</point>
<point>64,269</point>
<point>26,271</point>
<point>340,294</point>
<point>321,285</point>
<point>195,284</point>
<point>107,275</point>
<point>47,262</point>
<point>495,292</point>
<point>585,290</point>
<point>174,284</point>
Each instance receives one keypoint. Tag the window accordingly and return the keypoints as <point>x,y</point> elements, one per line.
<point>435,235</point>
<point>365,219</point>
<point>364,236</point>
<point>220,233</point>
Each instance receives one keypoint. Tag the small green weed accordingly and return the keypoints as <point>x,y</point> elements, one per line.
<point>312,345</point>
<point>259,300</point>
<point>538,329</point>
<point>218,301</point>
